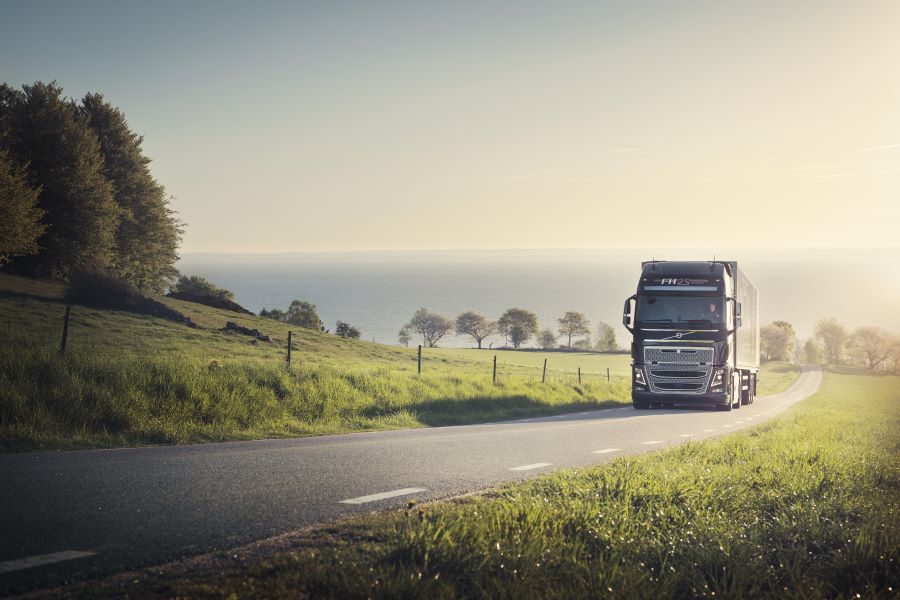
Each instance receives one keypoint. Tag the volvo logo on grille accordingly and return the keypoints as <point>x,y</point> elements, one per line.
<point>679,335</point>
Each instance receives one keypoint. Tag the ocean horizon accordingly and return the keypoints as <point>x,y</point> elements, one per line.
<point>379,291</point>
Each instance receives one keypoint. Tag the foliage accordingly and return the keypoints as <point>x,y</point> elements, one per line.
<point>47,134</point>
<point>345,330</point>
<point>812,352</point>
<point>776,341</point>
<point>430,325</point>
<point>20,218</point>
<point>833,337</point>
<point>518,325</point>
<point>148,234</point>
<point>546,339</point>
<point>100,290</point>
<point>802,507</point>
<point>572,324</point>
<point>195,285</point>
<point>475,325</point>
<point>606,338</point>
<point>300,313</point>
<point>874,345</point>
<point>404,335</point>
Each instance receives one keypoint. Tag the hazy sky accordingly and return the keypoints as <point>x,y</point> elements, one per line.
<point>333,125</point>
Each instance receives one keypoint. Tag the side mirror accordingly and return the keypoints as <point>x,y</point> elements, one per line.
<point>737,320</point>
<point>627,312</point>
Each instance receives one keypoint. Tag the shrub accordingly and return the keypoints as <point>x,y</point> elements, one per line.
<point>346,330</point>
<point>200,286</point>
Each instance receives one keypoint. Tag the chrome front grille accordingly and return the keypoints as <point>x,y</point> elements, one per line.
<point>678,370</point>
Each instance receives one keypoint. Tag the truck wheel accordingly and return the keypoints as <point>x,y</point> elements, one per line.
<point>640,405</point>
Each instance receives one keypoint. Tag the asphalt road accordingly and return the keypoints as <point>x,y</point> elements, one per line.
<point>69,515</point>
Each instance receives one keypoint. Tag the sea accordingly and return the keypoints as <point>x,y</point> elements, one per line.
<point>378,292</point>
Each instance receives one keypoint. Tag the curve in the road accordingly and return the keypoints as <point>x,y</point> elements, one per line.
<point>68,515</point>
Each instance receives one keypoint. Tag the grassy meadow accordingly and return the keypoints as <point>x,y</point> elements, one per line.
<point>804,506</point>
<point>129,379</point>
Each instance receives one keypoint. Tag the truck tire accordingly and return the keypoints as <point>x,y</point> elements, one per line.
<point>640,405</point>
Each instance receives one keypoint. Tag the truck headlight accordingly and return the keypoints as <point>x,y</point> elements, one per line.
<point>717,383</point>
<point>639,376</point>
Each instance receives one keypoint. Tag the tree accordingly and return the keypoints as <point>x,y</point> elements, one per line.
<point>431,326</point>
<point>345,330</point>
<point>20,218</point>
<point>47,135</point>
<point>776,341</point>
<point>606,338</point>
<point>148,234</point>
<point>275,314</point>
<point>475,325</point>
<point>404,336</point>
<point>873,344</point>
<point>300,313</point>
<point>812,352</point>
<point>833,337</point>
<point>303,314</point>
<point>518,325</point>
<point>573,323</point>
<point>200,286</point>
<point>546,339</point>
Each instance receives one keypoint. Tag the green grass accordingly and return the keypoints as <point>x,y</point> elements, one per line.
<point>129,379</point>
<point>776,377</point>
<point>806,506</point>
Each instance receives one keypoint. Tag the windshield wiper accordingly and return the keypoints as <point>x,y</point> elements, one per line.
<point>699,322</point>
<point>669,321</point>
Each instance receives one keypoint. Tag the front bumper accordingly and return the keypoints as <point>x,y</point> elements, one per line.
<point>717,398</point>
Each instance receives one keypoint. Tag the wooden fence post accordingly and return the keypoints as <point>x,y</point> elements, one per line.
<point>494,378</point>
<point>290,340</point>
<point>544,374</point>
<point>420,360</point>
<point>65,336</point>
<point>607,374</point>
<point>579,375</point>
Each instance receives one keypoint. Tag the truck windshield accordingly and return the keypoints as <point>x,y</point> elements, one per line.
<point>685,310</point>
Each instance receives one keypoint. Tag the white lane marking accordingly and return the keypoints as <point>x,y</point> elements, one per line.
<point>686,435</point>
<point>736,422</point>
<point>651,442</point>
<point>383,495</point>
<point>41,560</point>
<point>606,450</point>
<point>530,467</point>
<point>708,430</point>
<point>724,426</point>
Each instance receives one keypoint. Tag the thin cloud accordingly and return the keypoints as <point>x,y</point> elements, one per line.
<point>626,150</point>
<point>763,161</point>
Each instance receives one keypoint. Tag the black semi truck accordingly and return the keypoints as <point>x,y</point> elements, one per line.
<point>695,329</point>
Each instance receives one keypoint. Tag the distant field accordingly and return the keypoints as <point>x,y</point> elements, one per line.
<point>805,506</point>
<point>129,380</point>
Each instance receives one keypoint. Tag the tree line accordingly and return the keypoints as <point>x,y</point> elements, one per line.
<point>517,326</point>
<point>873,348</point>
<point>76,191</point>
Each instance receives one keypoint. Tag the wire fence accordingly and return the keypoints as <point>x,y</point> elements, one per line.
<point>82,332</point>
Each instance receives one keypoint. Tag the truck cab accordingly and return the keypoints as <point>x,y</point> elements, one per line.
<point>695,332</point>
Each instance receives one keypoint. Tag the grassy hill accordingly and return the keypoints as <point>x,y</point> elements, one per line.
<point>129,379</point>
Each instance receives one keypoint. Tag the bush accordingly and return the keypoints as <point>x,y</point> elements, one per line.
<point>346,330</point>
<point>200,286</point>
<point>100,290</point>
